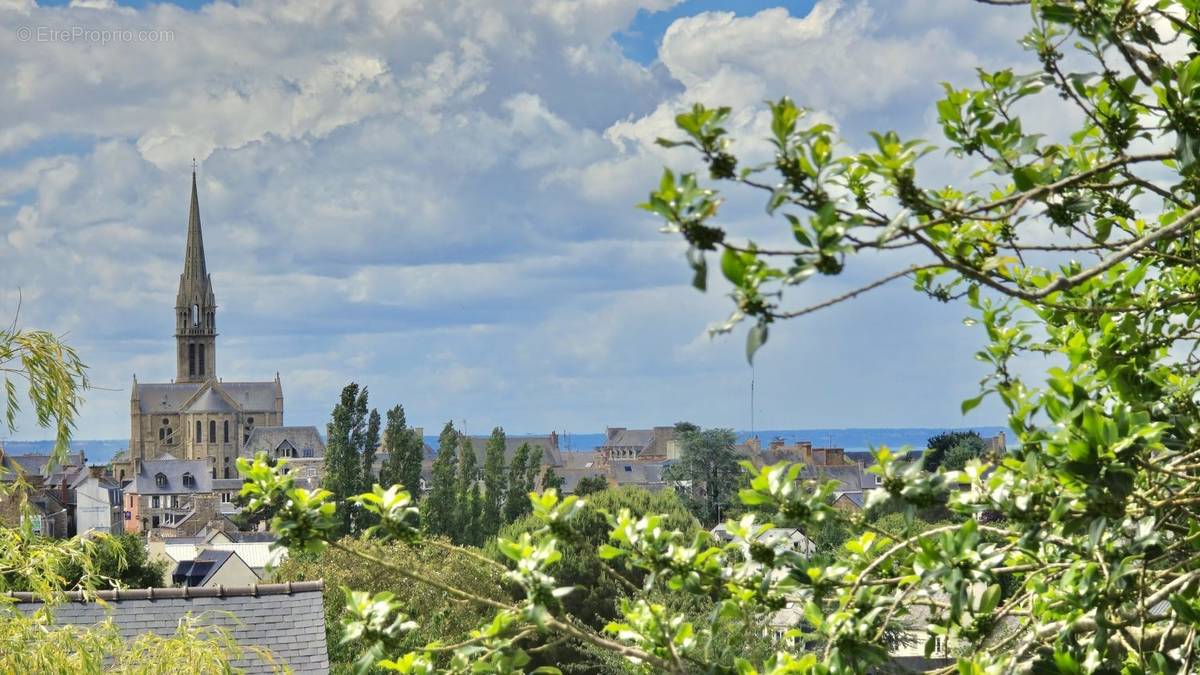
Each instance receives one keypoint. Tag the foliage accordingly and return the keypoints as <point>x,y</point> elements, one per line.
<point>440,507</point>
<point>514,505</point>
<point>493,483</point>
<point>707,471</point>
<point>956,458</point>
<point>442,619</point>
<point>343,449</point>
<point>370,445</point>
<point>124,564</point>
<point>598,586</point>
<point>939,445</point>
<point>470,503</point>
<point>52,375</point>
<point>405,452</point>
<point>591,484</point>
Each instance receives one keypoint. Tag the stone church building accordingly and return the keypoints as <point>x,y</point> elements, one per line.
<point>197,416</point>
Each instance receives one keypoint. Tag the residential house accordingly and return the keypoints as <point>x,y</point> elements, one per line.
<point>256,549</point>
<point>286,620</point>
<point>98,500</point>
<point>621,444</point>
<point>47,492</point>
<point>782,538</point>
<point>214,568</point>
<point>170,493</point>
<point>301,446</point>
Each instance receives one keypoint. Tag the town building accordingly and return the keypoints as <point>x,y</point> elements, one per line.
<point>285,620</point>
<point>197,416</point>
<point>44,488</point>
<point>302,447</point>
<point>170,494</point>
<point>660,443</point>
<point>98,501</point>
<point>212,568</point>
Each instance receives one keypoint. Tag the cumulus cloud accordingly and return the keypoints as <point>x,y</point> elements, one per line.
<point>435,199</point>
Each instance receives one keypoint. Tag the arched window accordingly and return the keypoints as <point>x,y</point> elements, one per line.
<point>226,431</point>
<point>199,430</point>
<point>200,368</point>
<point>212,431</point>
<point>195,315</point>
<point>227,472</point>
<point>160,480</point>
<point>189,481</point>
<point>162,433</point>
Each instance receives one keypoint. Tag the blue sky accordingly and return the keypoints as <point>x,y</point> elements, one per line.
<point>437,200</point>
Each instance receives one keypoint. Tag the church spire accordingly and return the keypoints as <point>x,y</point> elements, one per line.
<point>194,268</point>
<point>195,306</point>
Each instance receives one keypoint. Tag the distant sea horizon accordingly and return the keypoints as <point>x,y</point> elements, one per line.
<point>850,438</point>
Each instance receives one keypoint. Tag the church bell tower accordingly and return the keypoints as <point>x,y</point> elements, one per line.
<point>195,308</point>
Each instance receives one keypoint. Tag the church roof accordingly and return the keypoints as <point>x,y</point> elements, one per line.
<point>210,401</point>
<point>171,397</point>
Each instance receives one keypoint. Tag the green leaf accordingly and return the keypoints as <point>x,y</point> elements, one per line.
<point>733,267</point>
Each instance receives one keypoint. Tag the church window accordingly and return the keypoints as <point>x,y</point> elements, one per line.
<point>166,421</point>
<point>199,430</point>
<point>226,431</point>
<point>200,368</point>
<point>250,421</point>
<point>162,433</point>
<point>191,358</point>
<point>227,472</point>
<point>160,480</point>
<point>195,315</point>
<point>212,431</point>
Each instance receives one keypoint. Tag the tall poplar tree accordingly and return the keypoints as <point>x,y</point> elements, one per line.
<point>393,435</point>
<point>440,514</point>
<point>343,462</point>
<point>370,444</point>
<point>469,507</point>
<point>493,483</point>
<point>533,468</point>
<point>516,502</point>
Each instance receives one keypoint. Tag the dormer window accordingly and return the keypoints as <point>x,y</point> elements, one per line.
<point>160,480</point>
<point>189,481</point>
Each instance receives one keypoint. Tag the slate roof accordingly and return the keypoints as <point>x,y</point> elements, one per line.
<point>266,439</point>
<point>287,619</point>
<point>198,570</point>
<point>160,397</point>
<point>210,402</point>
<point>34,465</point>
<point>551,456</point>
<point>145,484</point>
<point>850,475</point>
<point>644,474</point>
<point>572,476</point>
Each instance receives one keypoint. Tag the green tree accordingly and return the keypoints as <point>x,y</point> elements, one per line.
<point>493,483</point>
<point>533,468</point>
<point>343,459</point>
<point>515,505</point>
<point>939,445</point>
<point>469,502</point>
<point>370,445</point>
<point>443,619</point>
<point>707,471</point>
<point>551,480</point>
<point>391,472</point>
<point>441,508</point>
<point>956,458</point>
<point>590,485</point>
<point>126,565</point>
